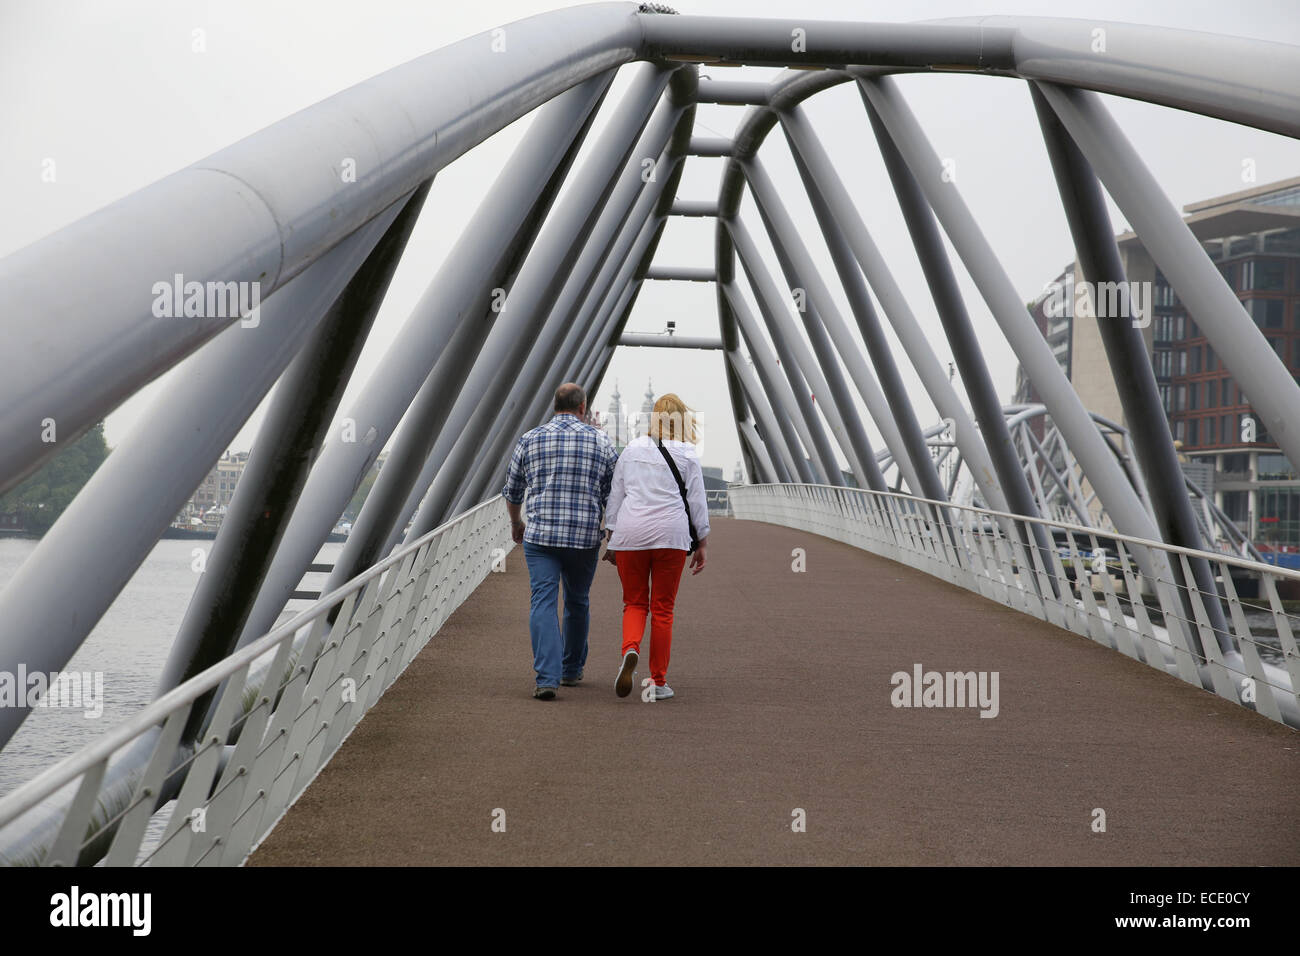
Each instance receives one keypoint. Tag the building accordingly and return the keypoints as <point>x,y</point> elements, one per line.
<point>614,423</point>
<point>1055,322</point>
<point>1253,237</point>
<point>1057,326</point>
<point>647,410</point>
<point>218,487</point>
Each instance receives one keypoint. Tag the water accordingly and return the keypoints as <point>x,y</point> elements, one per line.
<point>129,647</point>
<point>1263,627</point>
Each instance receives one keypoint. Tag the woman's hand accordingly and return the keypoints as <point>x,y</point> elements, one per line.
<point>609,556</point>
<point>698,559</point>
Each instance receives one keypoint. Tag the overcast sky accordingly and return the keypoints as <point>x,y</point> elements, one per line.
<point>117,97</point>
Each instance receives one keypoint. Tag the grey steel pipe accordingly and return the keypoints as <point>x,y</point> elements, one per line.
<point>1237,79</point>
<point>484,261</point>
<point>605,315</point>
<point>627,206</point>
<point>1126,353</point>
<point>616,307</point>
<point>785,96</point>
<point>794,430</point>
<point>649,210</point>
<point>682,273</point>
<point>740,402</point>
<point>593,372</point>
<point>549,275</point>
<point>796,359</point>
<point>507,344</point>
<point>916,345</point>
<point>113,524</point>
<point>759,459</point>
<point>1200,287</point>
<point>709,146</point>
<point>270,205</point>
<point>951,310</point>
<point>648,340</point>
<point>445,483</point>
<point>782,459</point>
<point>916,205</point>
<point>900,127</point>
<point>893,392</point>
<point>823,322</point>
<point>433,483</point>
<point>902,133</point>
<point>577,297</point>
<point>438,333</point>
<point>733,92</point>
<point>304,404</point>
<point>695,208</point>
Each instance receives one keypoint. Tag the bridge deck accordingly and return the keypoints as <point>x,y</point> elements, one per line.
<point>783,683</point>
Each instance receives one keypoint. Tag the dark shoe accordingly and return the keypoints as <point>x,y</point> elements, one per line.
<point>626,675</point>
<point>571,681</point>
<point>544,693</point>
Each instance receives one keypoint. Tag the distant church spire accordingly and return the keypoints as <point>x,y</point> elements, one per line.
<point>615,423</point>
<point>647,410</point>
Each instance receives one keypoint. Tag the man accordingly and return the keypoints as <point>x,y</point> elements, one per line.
<point>566,467</point>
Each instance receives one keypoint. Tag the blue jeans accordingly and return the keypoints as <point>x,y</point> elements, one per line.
<point>555,656</point>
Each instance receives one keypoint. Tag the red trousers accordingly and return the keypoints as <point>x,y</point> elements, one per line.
<point>650,580</point>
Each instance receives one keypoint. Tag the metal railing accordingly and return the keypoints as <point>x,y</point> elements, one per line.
<point>718,501</point>
<point>1090,582</point>
<point>273,727</point>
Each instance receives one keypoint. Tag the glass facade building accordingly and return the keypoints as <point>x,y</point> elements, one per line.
<point>1253,237</point>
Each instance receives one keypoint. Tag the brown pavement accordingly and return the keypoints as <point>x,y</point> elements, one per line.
<point>783,684</point>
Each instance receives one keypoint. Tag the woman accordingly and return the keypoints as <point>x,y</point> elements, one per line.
<point>649,533</point>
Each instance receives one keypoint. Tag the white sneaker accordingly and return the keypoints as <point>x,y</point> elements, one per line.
<point>664,692</point>
<point>626,675</point>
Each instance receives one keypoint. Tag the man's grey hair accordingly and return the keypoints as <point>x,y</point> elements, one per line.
<point>569,397</point>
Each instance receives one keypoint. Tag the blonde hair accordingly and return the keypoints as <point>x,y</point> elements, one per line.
<point>672,419</point>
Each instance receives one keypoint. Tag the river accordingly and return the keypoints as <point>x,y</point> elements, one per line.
<point>128,646</point>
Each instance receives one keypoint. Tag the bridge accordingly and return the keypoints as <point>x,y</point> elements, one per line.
<point>1065,576</point>
<point>784,707</point>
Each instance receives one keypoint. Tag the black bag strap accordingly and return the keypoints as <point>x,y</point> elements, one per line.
<point>681,487</point>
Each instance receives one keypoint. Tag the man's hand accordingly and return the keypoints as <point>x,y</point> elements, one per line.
<point>698,559</point>
<point>516,513</point>
<point>609,556</point>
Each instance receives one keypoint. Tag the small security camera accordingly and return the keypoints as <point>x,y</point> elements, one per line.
<point>672,327</point>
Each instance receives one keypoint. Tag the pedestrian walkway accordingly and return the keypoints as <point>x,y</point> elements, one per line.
<point>783,715</point>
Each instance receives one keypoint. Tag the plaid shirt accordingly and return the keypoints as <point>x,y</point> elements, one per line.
<point>566,466</point>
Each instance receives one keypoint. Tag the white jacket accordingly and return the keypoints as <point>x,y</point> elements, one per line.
<point>645,506</point>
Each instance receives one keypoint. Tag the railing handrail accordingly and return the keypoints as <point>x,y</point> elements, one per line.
<point>32,792</point>
<point>1225,558</point>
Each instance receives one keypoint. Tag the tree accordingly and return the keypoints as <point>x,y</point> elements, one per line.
<point>43,497</point>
